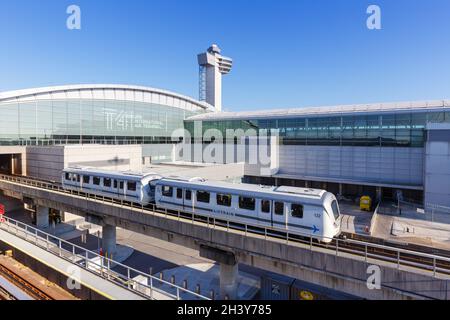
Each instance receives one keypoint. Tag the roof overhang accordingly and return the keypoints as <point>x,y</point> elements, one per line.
<point>42,91</point>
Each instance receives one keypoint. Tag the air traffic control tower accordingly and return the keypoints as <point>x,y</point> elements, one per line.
<point>212,66</point>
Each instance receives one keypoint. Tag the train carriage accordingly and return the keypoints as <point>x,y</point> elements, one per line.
<point>306,212</point>
<point>127,186</point>
<point>309,212</point>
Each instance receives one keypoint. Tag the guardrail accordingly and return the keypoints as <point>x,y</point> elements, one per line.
<point>113,141</point>
<point>437,265</point>
<point>96,263</point>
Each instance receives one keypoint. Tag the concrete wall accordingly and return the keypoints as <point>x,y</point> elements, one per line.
<point>378,165</point>
<point>402,166</point>
<point>437,165</point>
<point>48,162</point>
<point>158,152</point>
<point>45,162</point>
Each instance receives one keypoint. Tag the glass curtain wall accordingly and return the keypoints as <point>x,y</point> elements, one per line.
<point>395,130</point>
<point>88,121</point>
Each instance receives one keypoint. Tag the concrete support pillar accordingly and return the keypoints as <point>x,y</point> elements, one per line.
<point>42,217</point>
<point>67,216</point>
<point>340,189</point>
<point>109,240</point>
<point>228,281</point>
<point>379,194</point>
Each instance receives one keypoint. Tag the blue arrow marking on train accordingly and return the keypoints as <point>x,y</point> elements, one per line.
<point>315,229</point>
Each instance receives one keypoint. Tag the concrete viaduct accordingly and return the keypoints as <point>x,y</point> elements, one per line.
<point>341,271</point>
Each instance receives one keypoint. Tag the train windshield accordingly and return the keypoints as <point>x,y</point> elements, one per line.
<point>335,208</point>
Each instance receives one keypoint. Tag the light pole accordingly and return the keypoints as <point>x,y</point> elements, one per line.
<point>98,240</point>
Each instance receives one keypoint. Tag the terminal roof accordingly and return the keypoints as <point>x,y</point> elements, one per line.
<point>375,108</point>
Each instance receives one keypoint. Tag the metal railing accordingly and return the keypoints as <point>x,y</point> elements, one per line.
<point>97,264</point>
<point>437,265</point>
<point>105,141</point>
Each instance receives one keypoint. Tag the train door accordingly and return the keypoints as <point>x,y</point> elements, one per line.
<point>179,196</point>
<point>265,210</point>
<point>188,202</point>
<point>121,188</point>
<point>278,214</point>
<point>116,187</point>
<point>183,197</point>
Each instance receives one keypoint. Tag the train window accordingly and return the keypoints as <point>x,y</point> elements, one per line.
<point>75,177</point>
<point>279,208</point>
<point>121,184</point>
<point>107,182</point>
<point>179,193</point>
<point>297,210</point>
<point>203,196</point>
<point>131,186</point>
<point>265,206</point>
<point>247,203</point>
<point>68,176</point>
<point>86,179</point>
<point>335,207</point>
<point>224,200</point>
<point>188,195</point>
<point>167,191</point>
<point>115,184</point>
<point>97,181</point>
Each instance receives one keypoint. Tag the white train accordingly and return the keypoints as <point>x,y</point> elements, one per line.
<point>300,211</point>
<point>128,186</point>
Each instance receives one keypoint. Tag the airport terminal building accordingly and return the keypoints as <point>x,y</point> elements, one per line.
<point>350,150</point>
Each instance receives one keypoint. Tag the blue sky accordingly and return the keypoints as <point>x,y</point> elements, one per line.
<point>287,53</point>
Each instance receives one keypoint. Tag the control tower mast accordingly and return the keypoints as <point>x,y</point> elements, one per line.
<point>212,66</point>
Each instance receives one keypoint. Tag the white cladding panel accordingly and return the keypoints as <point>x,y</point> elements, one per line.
<point>48,162</point>
<point>386,165</point>
<point>437,170</point>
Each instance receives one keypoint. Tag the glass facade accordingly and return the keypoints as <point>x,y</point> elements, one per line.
<point>396,129</point>
<point>89,121</point>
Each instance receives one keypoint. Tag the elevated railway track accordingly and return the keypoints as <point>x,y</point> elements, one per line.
<point>421,258</point>
<point>19,283</point>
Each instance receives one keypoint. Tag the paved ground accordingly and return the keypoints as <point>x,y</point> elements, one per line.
<point>206,276</point>
<point>354,220</point>
<point>400,229</point>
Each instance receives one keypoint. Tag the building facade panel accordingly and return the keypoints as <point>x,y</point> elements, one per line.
<point>437,168</point>
<point>88,113</point>
<point>377,165</point>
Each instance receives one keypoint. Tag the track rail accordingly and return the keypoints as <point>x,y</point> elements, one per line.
<point>6,295</point>
<point>23,285</point>
<point>438,265</point>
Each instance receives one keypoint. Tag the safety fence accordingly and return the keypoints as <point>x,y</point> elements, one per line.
<point>100,265</point>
